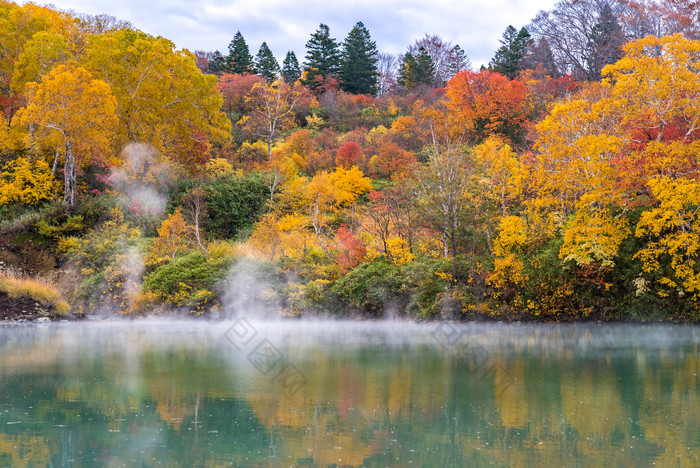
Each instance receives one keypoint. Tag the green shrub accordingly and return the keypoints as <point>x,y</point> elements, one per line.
<point>188,281</point>
<point>371,286</point>
<point>429,285</point>
<point>232,204</point>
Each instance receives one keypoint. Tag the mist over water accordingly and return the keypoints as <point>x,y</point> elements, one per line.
<point>270,392</point>
<point>119,335</point>
<point>246,292</point>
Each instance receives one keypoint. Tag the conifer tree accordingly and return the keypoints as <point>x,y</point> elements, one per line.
<point>605,43</point>
<point>456,62</point>
<point>239,59</point>
<point>416,70</point>
<point>358,70</point>
<point>322,56</point>
<point>291,71</point>
<point>217,63</point>
<point>508,57</point>
<point>266,64</point>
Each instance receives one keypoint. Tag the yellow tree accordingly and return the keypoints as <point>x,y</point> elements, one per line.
<point>504,174</point>
<point>273,105</point>
<point>309,206</point>
<point>18,25</point>
<point>656,94</point>
<point>673,232</point>
<point>74,112</point>
<point>40,54</point>
<point>577,142</point>
<point>575,184</point>
<point>162,97</point>
<point>501,180</point>
<point>25,182</point>
<point>174,237</point>
<point>655,98</point>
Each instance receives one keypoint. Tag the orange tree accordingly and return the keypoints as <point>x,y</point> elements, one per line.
<point>72,112</point>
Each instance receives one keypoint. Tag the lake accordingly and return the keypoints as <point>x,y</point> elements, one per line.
<point>266,393</point>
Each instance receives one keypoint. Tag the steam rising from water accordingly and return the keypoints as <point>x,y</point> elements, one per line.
<point>247,293</point>
<point>124,337</point>
<point>143,179</point>
<point>142,184</point>
<point>134,266</point>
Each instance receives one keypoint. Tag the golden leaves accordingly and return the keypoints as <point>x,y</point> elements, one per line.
<point>25,181</point>
<point>673,230</point>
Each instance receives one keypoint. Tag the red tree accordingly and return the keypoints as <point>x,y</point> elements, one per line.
<point>488,103</point>
<point>348,155</point>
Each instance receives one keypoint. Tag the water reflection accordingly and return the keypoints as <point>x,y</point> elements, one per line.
<point>372,394</point>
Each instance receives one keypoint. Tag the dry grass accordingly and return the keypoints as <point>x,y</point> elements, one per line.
<point>25,220</point>
<point>37,289</point>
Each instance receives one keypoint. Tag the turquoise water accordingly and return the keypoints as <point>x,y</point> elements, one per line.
<point>259,394</point>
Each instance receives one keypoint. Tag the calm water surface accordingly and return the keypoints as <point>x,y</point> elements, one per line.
<point>259,394</point>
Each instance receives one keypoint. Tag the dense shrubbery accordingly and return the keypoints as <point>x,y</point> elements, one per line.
<point>189,281</point>
<point>109,265</point>
<point>232,203</point>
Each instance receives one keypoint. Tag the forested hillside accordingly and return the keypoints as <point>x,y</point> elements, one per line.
<point>559,181</point>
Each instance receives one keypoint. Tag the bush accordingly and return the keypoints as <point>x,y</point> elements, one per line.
<point>430,280</point>
<point>109,262</point>
<point>189,281</point>
<point>371,287</point>
<point>232,204</point>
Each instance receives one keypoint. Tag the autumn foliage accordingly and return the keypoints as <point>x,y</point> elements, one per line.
<point>488,103</point>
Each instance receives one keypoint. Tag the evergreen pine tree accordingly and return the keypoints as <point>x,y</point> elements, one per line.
<point>605,44</point>
<point>425,68</point>
<point>266,64</point>
<point>507,59</point>
<point>239,59</point>
<point>358,70</point>
<point>407,71</point>
<point>322,55</point>
<point>416,70</point>
<point>456,62</point>
<point>291,71</point>
<point>217,63</point>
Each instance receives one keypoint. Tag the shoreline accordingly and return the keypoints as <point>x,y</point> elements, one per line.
<point>27,311</point>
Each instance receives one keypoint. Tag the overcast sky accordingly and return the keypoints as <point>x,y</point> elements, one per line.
<point>475,25</point>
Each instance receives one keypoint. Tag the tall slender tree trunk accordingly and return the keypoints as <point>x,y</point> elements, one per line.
<point>197,232</point>
<point>69,176</point>
<point>55,162</point>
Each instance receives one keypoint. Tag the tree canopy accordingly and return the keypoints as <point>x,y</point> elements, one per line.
<point>323,56</point>
<point>239,59</point>
<point>266,64</point>
<point>358,70</point>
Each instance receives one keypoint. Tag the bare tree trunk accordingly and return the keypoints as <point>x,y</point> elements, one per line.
<point>69,176</point>
<point>445,244</point>
<point>193,201</point>
<point>55,162</point>
<point>317,230</point>
<point>274,183</point>
<point>196,232</point>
